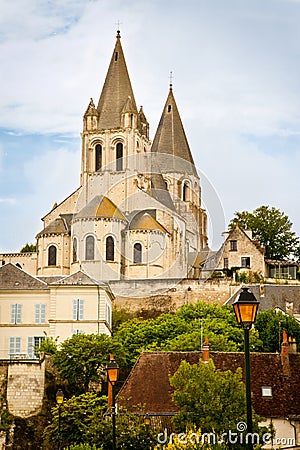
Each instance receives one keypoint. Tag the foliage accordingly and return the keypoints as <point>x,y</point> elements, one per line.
<point>119,316</point>
<point>248,277</point>
<point>190,440</point>
<point>28,248</point>
<point>84,421</point>
<point>206,396</point>
<point>83,447</point>
<point>81,359</point>
<point>184,331</point>
<point>272,228</point>
<point>48,345</point>
<point>270,325</point>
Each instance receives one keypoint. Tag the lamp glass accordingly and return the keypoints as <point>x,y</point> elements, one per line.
<point>245,313</point>
<point>112,371</point>
<point>59,397</point>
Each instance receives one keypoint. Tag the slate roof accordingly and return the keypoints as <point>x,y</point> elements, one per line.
<point>148,383</point>
<point>58,226</point>
<point>77,278</point>
<point>170,141</point>
<point>11,277</point>
<point>274,296</point>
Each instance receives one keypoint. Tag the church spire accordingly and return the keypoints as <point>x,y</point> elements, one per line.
<point>116,91</point>
<point>170,136</point>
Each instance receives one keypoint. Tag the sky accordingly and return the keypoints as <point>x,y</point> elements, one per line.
<point>235,72</point>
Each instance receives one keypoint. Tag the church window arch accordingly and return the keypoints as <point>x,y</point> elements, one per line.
<point>98,157</point>
<point>75,249</point>
<point>52,255</point>
<point>90,248</point>
<point>119,156</point>
<point>186,191</point>
<point>137,253</point>
<point>110,248</point>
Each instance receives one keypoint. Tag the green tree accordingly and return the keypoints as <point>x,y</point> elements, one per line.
<point>208,398</point>
<point>84,420</point>
<point>272,228</point>
<point>270,325</point>
<point>28,248</point>
<point>82,358</point>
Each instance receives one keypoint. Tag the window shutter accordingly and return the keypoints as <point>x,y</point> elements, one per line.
<point>30,350</point>
<point>43,313</point>
<point>75,309</point>
<point>13,313</point>
<point>19,314</point>
<point>81,309</point>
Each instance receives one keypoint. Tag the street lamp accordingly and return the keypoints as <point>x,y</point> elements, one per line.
<point>245,308</point>
<point>112,370</point>
<point>59,401</point>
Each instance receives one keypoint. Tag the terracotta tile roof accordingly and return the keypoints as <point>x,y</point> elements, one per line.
<point>11,277</point>
<point>148,383</point>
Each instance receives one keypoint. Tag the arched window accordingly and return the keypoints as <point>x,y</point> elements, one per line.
<point>110,249</point>
<point>186,191</point>
<point>75,246</point>
<point>119,156</point>
<point>137,253</point>
<point>90,248</point>
<point>52,255</point>
<point>98,157</point>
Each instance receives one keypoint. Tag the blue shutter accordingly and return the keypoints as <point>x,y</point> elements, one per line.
<point>74,309</point>
<point>81,309</point>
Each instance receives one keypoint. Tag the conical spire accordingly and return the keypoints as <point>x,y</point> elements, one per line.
<point>116,90</point>
<point>170,138</point>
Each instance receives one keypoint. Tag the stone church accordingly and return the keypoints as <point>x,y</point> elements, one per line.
<point>134,226</point>
<point>137,213</point>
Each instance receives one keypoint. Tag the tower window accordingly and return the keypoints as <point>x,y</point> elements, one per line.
<point>98,157</point>
<point>137,253</point>
<point>75,245</point>
<point>52,254</point>
<point>119,155</point>
<point>186,191</point>
<point>110,249</point>
<point>116,56</point>
<point>90,248</point>
<point>169,108</point>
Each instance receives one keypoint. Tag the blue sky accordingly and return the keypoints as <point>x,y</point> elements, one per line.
<point>236,72</point>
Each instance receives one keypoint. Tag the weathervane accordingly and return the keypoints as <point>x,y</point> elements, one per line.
<point>118,30</point>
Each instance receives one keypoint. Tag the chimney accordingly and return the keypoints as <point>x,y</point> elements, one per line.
<point>292,345</point>
<point>285,362</point>
<point>205,350</point>
<point>109,388</point>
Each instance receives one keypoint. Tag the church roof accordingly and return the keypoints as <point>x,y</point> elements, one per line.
<point>145,221</point>
<point>101,206</point>
<point>170,139</point>
<point>11,277</point>
<point>116,91</point>
<point>58,226</point>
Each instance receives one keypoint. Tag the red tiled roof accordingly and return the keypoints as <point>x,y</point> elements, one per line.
<point>148,383</point>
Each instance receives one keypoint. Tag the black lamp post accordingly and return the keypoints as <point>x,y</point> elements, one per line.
<point>245,308</point>
<point>112,370</point>
<point>59,401</point>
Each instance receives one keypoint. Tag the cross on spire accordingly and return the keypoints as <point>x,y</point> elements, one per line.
<point>118,30</point>
<point>171,78</point>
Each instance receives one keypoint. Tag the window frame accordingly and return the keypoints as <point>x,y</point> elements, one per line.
<point>52,257</point>
<point>137,253</point>
<point>89,248</point>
